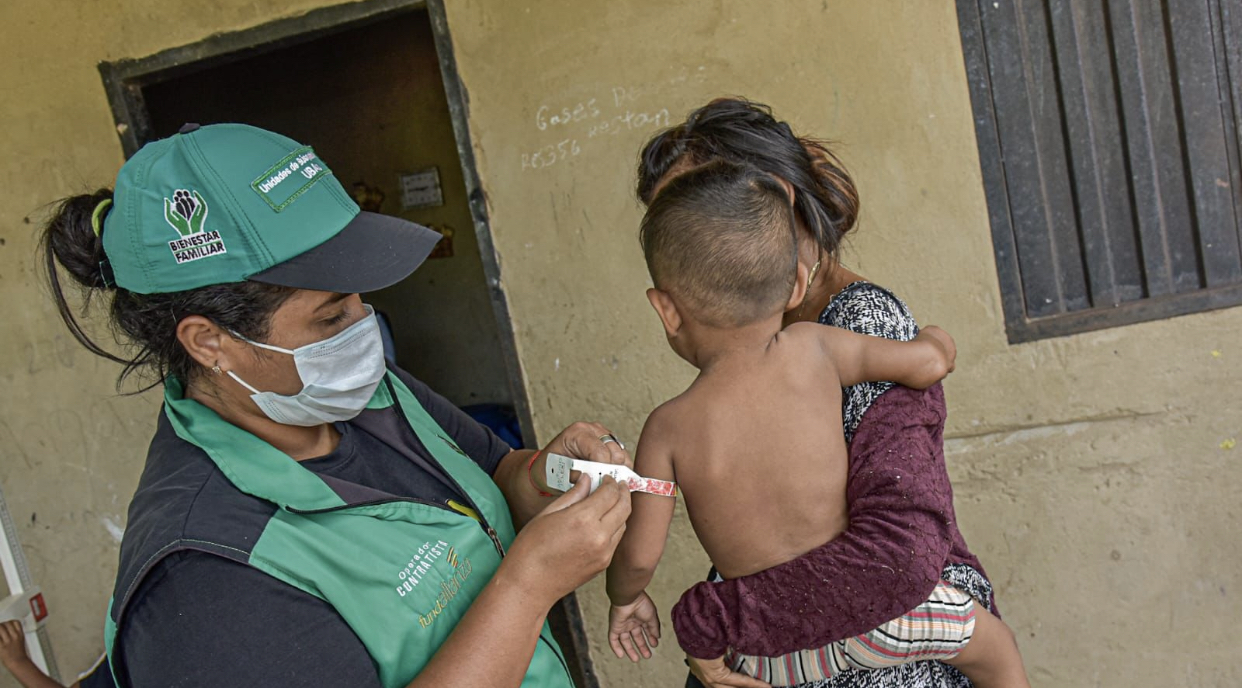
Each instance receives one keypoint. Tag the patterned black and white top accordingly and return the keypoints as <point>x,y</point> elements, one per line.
<point>870,309</point>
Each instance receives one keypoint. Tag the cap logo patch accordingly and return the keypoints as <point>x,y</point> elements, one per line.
<point>291,177</point>
<point>186,212</point>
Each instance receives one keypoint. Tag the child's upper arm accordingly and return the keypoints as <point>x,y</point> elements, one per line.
<point>643,543</point>
<point>859,358</point>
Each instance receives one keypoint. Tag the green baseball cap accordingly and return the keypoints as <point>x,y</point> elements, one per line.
<point>230,202</point>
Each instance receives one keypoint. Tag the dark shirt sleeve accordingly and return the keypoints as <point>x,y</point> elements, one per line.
<point>886,563</point>
<point>474,438</point>
<point>202,620</point>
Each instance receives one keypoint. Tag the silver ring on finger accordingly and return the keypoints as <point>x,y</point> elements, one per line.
<point>609,438</point>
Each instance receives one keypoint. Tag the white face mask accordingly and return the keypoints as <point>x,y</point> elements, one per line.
<point>339,376</point>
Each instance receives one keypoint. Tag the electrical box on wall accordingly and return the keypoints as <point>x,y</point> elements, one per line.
<point>421,189</point>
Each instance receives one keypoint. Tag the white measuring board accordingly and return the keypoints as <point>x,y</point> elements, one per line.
<point>17,575</point>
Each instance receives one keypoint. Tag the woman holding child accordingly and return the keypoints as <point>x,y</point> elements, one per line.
<point>902,539</point>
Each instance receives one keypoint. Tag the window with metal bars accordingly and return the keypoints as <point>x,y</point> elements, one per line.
<point>1109,135</point>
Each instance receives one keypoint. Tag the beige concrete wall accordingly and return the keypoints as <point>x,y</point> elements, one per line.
<point>1090,471</point>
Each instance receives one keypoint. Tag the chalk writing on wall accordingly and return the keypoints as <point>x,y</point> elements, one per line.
<point>546,117</point>
<point>575,122</point>
<point>551,154</point>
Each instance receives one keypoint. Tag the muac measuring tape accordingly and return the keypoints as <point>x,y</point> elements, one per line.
<point>560,466</point>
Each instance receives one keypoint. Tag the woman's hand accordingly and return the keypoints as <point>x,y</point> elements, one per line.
<point>714,673</point>
<point>569,542</point>
<point>634,628</point>
<point>591,442</point>
<point>522,475</point>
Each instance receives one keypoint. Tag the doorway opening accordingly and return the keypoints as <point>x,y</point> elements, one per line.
<point>373,87</point>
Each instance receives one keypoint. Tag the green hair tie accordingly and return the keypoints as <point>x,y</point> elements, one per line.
<point>97,216</point>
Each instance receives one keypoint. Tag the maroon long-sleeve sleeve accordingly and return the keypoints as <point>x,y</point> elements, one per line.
<point>902,532</point>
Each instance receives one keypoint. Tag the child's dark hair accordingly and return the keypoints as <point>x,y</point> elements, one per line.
<point>740,131</point>
<point>146,323</point>
<point>722,240</point>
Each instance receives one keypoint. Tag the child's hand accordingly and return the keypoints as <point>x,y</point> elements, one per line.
<point>634,628</point>
<point>12,644</point>
<point>943,343</point>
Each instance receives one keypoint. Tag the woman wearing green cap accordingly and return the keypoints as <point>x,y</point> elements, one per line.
<point>306,515</point>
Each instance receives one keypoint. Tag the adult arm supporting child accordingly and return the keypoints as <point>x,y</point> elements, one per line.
<point>908,556</point>
<point>901,535</point>
<point>990,658</point>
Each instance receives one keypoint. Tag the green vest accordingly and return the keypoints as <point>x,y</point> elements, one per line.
<point>401,572</point>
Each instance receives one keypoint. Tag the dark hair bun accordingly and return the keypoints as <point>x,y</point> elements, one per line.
<point>838,195</point>
<point>146,323</point>
<point>69,239</point>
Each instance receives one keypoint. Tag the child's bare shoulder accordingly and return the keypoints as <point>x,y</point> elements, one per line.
<point>660,431</point>
<point>667,416</point>
<point>807,348</point>
<point>672,419</point>
<point>803,330</point>
<point>804,337</point>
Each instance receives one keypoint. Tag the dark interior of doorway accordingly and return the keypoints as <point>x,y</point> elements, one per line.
<point>369,95</point>
<point>372,103</point>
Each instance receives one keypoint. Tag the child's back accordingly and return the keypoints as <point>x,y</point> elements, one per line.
<point>759,453</point>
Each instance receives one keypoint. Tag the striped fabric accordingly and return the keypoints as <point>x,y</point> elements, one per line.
<point>937,629</point>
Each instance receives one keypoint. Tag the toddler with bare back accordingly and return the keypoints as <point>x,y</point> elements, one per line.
<point>756,443</point>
